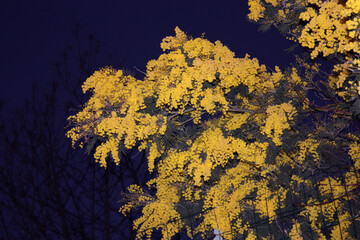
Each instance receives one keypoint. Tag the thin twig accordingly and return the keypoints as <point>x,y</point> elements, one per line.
<point>140,71</point>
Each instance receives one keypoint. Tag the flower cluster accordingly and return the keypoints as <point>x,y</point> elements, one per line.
<point>324,27</point>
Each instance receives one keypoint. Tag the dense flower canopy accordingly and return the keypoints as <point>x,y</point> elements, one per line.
<point>325,27</point>
<point>230,140</point>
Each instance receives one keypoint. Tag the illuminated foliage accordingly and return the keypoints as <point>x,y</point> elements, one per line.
<point>327,28</point>
<point>231,142</point>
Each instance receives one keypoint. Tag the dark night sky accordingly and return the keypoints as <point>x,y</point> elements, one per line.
<point>33,32</point>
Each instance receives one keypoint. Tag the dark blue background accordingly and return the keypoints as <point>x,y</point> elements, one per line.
<point>33,33</point>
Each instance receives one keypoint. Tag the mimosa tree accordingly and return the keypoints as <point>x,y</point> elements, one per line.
<point>232,143</point>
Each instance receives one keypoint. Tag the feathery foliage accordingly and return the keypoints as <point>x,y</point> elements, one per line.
<point>234,144</point>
